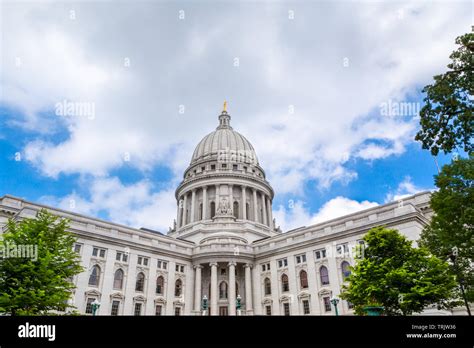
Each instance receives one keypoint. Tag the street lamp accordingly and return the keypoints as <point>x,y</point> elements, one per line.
<point>335,301</point>
<point>204,305</point>
<point>238,304</point>
<point>95,306</point>
<point>453,256</point>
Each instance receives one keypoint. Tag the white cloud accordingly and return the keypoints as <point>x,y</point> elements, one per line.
<point>134,205</point>
<point>297,215</point>
<point>405,188</point>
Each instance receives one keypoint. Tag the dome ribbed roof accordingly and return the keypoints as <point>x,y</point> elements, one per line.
<point>224,138</point>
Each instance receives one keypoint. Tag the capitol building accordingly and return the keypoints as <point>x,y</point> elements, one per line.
<point>224,246</point>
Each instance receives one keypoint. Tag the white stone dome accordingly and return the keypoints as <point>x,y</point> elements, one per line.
<point>224,140</point>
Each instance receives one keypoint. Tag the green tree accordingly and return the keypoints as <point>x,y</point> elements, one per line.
<point>394,274</point>
<point>452,224</point>
<point>39,283</point>
<point>447,119</point>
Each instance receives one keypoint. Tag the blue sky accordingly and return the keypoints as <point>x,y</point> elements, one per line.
<point>308,83</point>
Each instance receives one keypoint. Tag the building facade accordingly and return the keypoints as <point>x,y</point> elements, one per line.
<point>224,245</point>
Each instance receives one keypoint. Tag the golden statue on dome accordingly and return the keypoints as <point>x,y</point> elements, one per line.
<point>225,106</point>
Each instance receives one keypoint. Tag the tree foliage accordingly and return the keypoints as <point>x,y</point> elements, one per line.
<point>452,224</point>
<point>394,274</point>
<point>35,285</point>
<point>447,118</point>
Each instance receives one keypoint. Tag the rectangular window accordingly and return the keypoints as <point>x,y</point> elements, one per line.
<point>161,264</point>
<point>268,266</point>
<point>223,271</point>
<point>327,303</point>
<point>98,252</point>
<point>213,166</point>
<point>138,309</point>
<point>306,307</point>
<point>121,256</point>
<point>142,260</point>
<point>268,310</point>
<point>263,268</point>
<point>286,308</point>
<point>234,167</point>
<point>301,258</point>
<point>77,248</point>
<point>177,311</point>
<point>115,308</point>
<point>89,305</point>
<point>320,254</point>
<point>179,268</point>
<point>282,263</point>
<point>342,249</point>
<point>158,309</point>
<point>224,165</point>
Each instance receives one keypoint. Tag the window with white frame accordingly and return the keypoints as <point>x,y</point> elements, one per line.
<point>286,308</point>
<point>179,268</point>
<point>327,303</point>
<point>320,254</point>
<point>306,309</point>
<point>89,304</point>
<point>282,263</point>
<point>143,261</point>
<point>268,310</point>
<point>300,258</point>
<point>342,249</point>
<point>115,307</point>
<point>158,310</point>
<point>265,267</point>
<point>98,252</point>
<point>78,248</point>
<point>138,309</point>
<point>162,264</point>
<point>122,257</point>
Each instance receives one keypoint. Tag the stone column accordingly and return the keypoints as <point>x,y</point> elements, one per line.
<point>244,203</point>
<point>255,206</point>
<point>232,297</point>
<point>185,204</point>
<point>214,309</point>
<point>180,211</point>
<point>204,203</point>
<point>197,288</point>
<point>231,198</point>
<point>248,288</point>
<point>193,205</point>
<point>264,210</point>
<point>269,213</point>
<point>217,197</point>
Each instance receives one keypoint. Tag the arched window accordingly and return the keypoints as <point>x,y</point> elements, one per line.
<point>178,288</point>
<point>223,290</point>
<point>285,286</point>
<point>303,279</point>
<point>140,283</point>
<point>268,286</point>
<point>236,209</point>
<point>94,277</point>
<point>213,209</point>
<point>200,211</point>
<point>118,279</point>
<point>345,269</point>
<point>324,275</point>
<point>160,285</point>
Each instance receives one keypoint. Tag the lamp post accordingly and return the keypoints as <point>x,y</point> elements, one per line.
<point>95,306</point>
<point>238,305</point>
<point>334,302</point>
<point>204,305</point>
<point>453,256</point>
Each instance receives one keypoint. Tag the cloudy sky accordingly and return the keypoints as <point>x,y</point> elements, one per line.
<point>327,92</point>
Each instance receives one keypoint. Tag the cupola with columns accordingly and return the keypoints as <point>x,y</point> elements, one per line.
<point>224,184</point>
